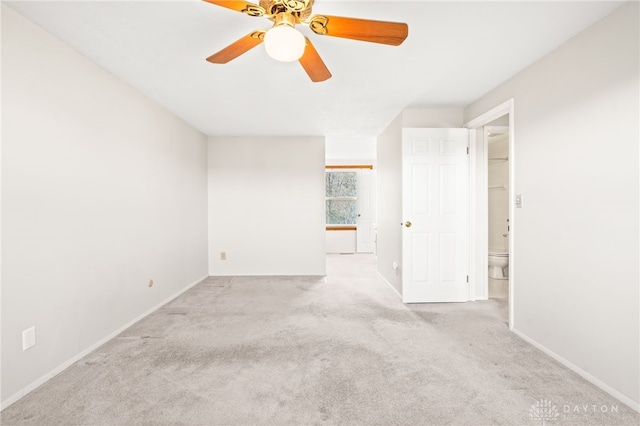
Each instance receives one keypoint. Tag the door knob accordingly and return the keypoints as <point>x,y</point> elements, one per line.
<point>407,224</point>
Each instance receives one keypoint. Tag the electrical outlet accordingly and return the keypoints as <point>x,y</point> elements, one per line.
<point>28,338</point>
<point>223,255</point>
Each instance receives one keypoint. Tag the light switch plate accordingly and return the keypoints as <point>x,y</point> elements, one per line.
<point>28,338</point>
<point>518,201</point>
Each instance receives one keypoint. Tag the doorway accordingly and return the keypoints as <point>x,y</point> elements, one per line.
<point>501,115</point>
<point>350,208</point>
<point>498,209</point>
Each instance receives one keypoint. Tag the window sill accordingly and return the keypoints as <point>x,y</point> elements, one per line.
<point>341,228</point>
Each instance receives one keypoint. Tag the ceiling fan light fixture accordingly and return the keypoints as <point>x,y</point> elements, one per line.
<point>284,43</point>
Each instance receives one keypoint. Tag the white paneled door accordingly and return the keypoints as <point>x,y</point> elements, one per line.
<point>435,208</point>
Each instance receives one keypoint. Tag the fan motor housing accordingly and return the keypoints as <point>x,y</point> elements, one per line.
<point>300,8</point>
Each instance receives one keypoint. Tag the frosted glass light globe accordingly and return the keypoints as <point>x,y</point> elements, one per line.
<point>284,43</point>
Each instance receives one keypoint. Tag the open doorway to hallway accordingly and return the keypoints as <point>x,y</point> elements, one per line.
<point>350,210</point>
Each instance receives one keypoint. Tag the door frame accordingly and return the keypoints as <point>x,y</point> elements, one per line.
<point>479,202</point>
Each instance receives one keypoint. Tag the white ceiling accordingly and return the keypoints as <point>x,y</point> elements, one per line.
<point>456,51</point>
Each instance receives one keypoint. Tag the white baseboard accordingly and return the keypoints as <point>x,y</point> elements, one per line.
<point>389,284</point>
<point>40,381</point>
<point>571,366</point>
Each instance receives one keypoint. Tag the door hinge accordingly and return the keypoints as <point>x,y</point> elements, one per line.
<point>467,150</point>
<point>467,278</point>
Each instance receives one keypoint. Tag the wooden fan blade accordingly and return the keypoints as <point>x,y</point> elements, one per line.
<point>313,64</point>
<point>240,6</point>
<point>237,48</point>
<point>392,33</point>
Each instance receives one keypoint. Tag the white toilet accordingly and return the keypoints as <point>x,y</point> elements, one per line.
<point>498,264</point>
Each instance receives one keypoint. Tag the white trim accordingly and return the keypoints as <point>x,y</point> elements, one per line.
<point>390,286</point>
<point>494,113</point>
<point>484,201</point>
<point>46,377</point>
<point>571,366</point>
<point>1,257</point>
<point>512,213</point>
<point>473,213</point>
<point>507,107</point>
<point>479,178</point>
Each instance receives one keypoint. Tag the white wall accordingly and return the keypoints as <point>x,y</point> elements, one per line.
<point>432,117</point>
<point>102,190</point>
<point>577,236</point>
<point>389,157</point>
<point>342,241</point>
<point>341,149</point>
<point>267,205</point>
<point>389,185</point>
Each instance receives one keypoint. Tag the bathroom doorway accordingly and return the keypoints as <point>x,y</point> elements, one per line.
<point>497,138</point>
<point>499,120</point>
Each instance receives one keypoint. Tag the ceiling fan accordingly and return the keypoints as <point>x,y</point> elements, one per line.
<point>284,43</point>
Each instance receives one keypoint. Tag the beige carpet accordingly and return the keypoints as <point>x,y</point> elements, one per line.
<point>302,351</point>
